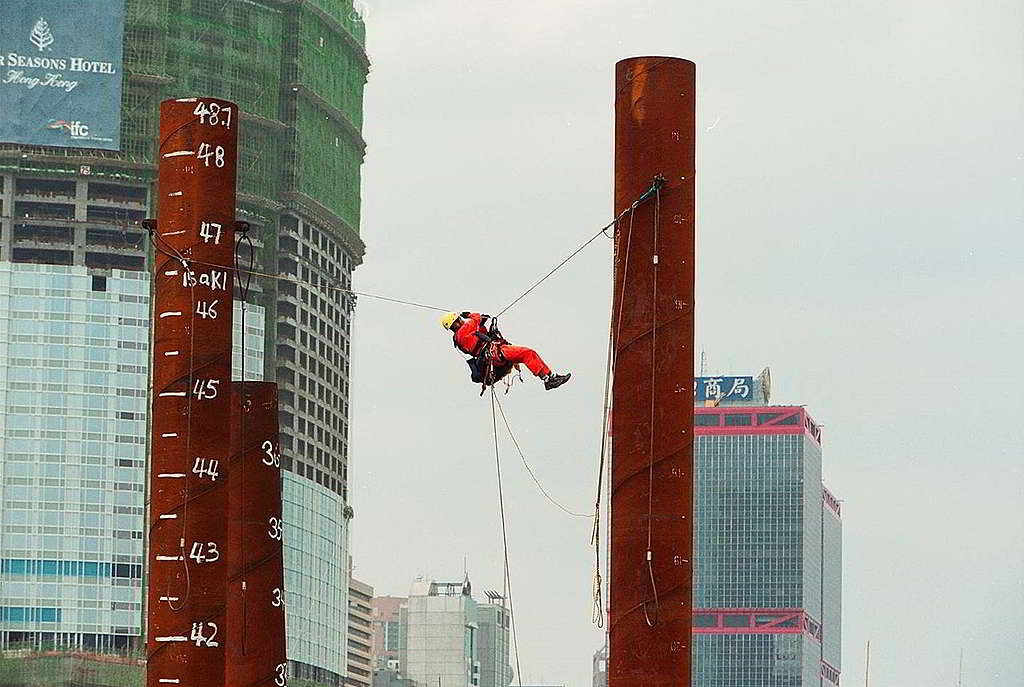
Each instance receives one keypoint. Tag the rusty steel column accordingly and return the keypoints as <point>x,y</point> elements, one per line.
<point>255,564</point>
<point>652,421</point>
<point>191,373</point>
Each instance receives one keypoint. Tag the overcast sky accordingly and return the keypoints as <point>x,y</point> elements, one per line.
<point>858,231</point>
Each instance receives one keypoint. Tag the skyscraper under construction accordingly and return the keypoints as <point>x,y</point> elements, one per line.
<point>297,70</point>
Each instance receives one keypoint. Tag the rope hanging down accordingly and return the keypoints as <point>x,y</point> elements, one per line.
<point>650,472</point>
<point>504,535</point>
<point>175,255</point>
<point>243,291</point>
<point>614,330</point>
<point>530,469</point>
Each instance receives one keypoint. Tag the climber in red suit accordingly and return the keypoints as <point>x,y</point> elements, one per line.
<point>470,337</point>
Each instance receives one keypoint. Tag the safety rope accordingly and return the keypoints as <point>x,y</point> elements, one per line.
<point>335,287</point>
<point>614,337</point>
<point>504,535</point>
<point>242,441</point>
<point>654,190</point>
<point>176,255</point>
<point>614,329</point>
<point>325,287</point>
<point>650,472</point>
<point>526,464</point>
<point>597,615</point>
<point>636,203</point>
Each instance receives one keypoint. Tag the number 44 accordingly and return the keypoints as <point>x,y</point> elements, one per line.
<point>207,467</point>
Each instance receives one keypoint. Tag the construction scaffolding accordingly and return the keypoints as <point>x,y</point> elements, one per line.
<point>296,69</point>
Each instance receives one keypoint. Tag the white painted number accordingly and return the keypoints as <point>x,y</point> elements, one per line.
<point>210,231</point>
<point>277,600</point>
<point>208,467</point>
<point>213,114</point>
<point>205,388</point>
<point>207,553</point>
<point>275,529</point>
<point>206,151</point>
<point>273,458</point>
<point>199,636</point>
<point>281,680</point>
<point>207,309</point>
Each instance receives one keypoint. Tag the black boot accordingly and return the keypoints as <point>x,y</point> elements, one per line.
<point>554,381</point>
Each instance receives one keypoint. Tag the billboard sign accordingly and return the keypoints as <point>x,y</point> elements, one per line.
<point>723,389</point>
<point>60,72</point>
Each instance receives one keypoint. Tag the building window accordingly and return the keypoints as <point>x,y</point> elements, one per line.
<point>736,419</point>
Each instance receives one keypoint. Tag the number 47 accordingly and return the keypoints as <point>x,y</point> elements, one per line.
<point>210,231</point>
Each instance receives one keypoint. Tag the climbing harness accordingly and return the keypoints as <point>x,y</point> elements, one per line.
<point>489,366</point>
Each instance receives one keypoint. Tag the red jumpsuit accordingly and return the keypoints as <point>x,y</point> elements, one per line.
<point>501,354</point>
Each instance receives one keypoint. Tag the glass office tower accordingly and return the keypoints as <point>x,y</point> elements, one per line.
<point>74,354</point>
<point>767,551</point>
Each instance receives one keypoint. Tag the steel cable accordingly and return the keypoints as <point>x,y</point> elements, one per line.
<point>504,536</point>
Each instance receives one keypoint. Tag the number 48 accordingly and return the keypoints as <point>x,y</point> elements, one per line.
<point>206,151</point>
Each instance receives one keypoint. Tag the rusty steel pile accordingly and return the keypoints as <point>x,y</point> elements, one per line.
<point>215,599</point>
<point>652,425</point>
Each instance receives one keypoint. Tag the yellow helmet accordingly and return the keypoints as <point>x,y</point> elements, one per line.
<point>448,319</point>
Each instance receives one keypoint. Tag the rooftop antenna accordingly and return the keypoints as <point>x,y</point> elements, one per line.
<point>703,363</point>
<point>960,679</point>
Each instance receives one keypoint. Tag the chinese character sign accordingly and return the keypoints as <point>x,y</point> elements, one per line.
<point>723,389</point>
<point>60,72</point>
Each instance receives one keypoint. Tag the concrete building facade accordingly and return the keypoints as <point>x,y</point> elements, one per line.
<point>439,632</point>
<point>359,642</point>
<point>387,632</point>
<point>494,632</point>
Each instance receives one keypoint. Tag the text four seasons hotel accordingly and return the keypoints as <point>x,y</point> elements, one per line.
<point>74,314</point>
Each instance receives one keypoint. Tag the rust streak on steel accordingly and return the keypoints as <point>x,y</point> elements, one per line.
<point>651,577</point>
<point>191,392</point>
<point>255,567</point>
